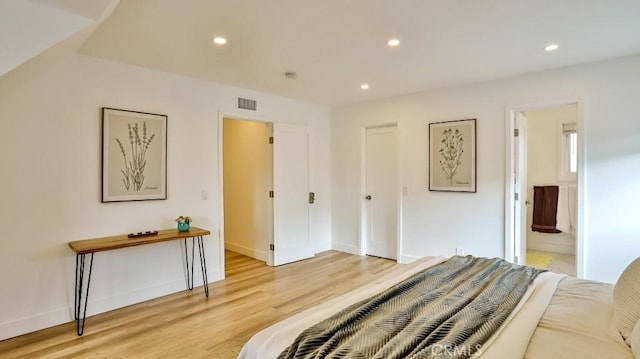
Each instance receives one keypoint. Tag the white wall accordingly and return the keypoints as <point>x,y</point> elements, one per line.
<point>38,26</point>
<point>435,223</point>
<point>50,183</point>
<point>248,163</point>
<point>544,157</point>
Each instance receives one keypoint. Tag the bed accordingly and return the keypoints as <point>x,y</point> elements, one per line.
<point>554,316</point>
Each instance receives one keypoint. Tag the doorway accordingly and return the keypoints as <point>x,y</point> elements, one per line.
<point>545,171</point>
<point>381,177</point>
<point>264,190</point>
<point>247,179</point>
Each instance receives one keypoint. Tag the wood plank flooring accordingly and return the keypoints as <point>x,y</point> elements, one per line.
<point>186,325</point>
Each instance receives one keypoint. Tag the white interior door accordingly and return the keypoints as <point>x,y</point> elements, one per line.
<point>291,194</point>
<point>381,192</point>
<point>520,189</point>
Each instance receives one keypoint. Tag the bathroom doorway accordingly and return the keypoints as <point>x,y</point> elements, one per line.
<point>545,153</point>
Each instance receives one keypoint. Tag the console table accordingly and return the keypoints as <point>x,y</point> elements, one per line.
<point>91,246</point>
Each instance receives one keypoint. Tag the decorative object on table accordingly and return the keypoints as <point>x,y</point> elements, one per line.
<point>134,156</point>
<point>142,234</point>
<point>452,156</point>
<point>183,223</point>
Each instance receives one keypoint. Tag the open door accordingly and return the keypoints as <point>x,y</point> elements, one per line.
<point>520,189</point>
<point>291,195</point>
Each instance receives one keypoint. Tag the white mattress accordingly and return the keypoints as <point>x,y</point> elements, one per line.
<point>576,322</point>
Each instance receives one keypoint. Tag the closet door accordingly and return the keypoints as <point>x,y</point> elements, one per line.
<point>382,192</point>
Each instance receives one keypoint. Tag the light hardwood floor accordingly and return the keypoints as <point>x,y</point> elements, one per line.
<point>186,325</point>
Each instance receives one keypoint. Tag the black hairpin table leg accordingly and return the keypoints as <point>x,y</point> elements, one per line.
<point>203,266</point>
<point>190,263</point>
<point>80,313</point>
<point>187,260</point>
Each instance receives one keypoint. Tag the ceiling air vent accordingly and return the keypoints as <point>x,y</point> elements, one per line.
<point>246,104</point>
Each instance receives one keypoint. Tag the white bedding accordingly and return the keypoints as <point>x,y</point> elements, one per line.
<point>578,324</point>
<point>519,337</point>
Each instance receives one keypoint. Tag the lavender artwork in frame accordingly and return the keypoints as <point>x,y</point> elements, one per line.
<point>134,156</point>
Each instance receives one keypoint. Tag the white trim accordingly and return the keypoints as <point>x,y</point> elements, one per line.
<point>36,322</point>
<point>249,252</point>
<point>347,248</point>
<point>362,243</point>
<point>399,193</point>
<point>221,255</point>
<point>509,224</point>
<point>520,187</point>
<point>59,316</point>
<point>509,241</point>
<point>406,259</point>
<point>581,207</point>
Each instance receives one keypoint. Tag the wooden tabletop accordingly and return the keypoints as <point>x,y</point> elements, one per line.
<point>123,241</point>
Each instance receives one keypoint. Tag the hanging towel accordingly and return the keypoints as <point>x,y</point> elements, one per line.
<point>545,209</point>
<point>565,217</point>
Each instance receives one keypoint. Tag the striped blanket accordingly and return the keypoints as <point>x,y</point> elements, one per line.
<point>446,311</point>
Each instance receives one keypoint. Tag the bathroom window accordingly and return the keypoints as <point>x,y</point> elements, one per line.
<point>569,152</point>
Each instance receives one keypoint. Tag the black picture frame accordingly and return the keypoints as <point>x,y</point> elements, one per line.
<point>134,156</point>
<point>452,156</point>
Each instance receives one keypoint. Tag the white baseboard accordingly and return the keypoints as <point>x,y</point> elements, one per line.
<point>547,242</point>
<point>59,316</point>
<point>347,248</point>
<point>406,259</point>
<point>39,321</point>
<point>553,248</point>
<point>245,251</point>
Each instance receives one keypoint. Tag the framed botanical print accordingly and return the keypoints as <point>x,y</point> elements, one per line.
<point>134,155</point>
<point>452,156</point>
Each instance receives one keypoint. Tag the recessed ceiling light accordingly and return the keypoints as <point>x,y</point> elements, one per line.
<point>393,42</point>
<point>551,47</point>
<point>364,86</point>
<point>218,40</point>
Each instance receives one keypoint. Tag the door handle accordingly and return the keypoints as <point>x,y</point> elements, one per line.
<point>368,198</point>
<point>312,197</point>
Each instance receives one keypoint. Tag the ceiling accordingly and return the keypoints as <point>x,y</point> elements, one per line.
<point>29,28</point>
<point>91,9</point>
<point>336,45</point>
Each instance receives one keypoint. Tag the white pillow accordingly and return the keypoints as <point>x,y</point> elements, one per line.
<point>626,300</point>
<point>635,340</point>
